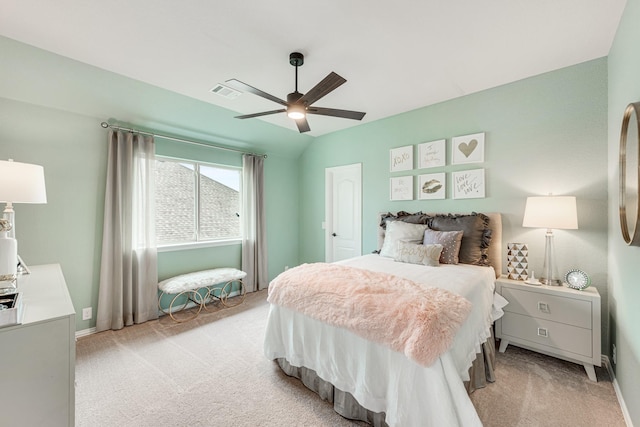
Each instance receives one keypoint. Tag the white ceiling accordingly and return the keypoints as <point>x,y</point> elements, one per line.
<point>396,56</point>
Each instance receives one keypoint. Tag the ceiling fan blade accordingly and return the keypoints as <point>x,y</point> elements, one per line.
<point>237,84</point>
<point>345,114</point>
<point>303,125</point>
<point>264,113</point>
<point>329,83</point>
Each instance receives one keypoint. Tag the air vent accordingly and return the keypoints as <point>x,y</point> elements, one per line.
<point>225,91</point>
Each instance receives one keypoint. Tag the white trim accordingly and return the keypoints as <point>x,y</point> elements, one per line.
<point>91,331</point>
<point>197,245</point>
<point>625,412</point>
<point>85,332</point>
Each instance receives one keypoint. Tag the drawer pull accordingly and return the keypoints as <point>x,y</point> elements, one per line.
<point>542,332</point>
<point>543,307</point>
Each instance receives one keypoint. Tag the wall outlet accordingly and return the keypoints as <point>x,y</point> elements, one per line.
<point>614,355</point>
<point>87,313</point>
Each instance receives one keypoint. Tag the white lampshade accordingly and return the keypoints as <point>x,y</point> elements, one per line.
<point>549,212</point>
<point>22,183</point>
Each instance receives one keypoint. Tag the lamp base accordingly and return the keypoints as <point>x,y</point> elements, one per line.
<point>8,284</point>
<point>551,282</point>
<point>550,276</point>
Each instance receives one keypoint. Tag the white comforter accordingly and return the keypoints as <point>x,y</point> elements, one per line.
<point>383,380</point>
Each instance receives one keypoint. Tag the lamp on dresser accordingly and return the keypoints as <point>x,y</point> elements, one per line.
<point>19,183</point>
<point>550,212</point>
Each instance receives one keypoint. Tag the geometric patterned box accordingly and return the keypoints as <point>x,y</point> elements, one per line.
<point>517,264</point>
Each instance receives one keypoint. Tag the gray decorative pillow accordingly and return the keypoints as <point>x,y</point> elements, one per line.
<point>399,230</point>
<point>450,241</point>
<point>418,254</point>
<point>413,218</point>
<point>476,238</point>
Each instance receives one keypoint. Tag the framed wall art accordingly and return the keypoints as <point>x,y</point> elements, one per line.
<point>431,186</point>
<point>468,184</point>
<point>401,188</point>
<point>467,149</point>
<point>401,158</point>
<point>432,154</point>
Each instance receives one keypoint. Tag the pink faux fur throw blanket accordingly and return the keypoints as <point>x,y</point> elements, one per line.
<point>413,319</point>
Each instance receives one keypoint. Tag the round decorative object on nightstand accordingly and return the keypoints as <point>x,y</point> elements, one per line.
<point>577,279</point>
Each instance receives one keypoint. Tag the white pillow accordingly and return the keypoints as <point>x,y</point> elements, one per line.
<point>418,254</point>
<point>400,230</point>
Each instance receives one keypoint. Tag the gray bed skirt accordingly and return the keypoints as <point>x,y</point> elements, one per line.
<point>480,373</point>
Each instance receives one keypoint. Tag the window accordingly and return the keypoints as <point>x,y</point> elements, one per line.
<point>196,202</point>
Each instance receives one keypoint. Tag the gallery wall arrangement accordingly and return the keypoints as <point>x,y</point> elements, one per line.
<point>465,184</point>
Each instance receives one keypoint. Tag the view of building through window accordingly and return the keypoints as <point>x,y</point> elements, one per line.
<point>196,202</point>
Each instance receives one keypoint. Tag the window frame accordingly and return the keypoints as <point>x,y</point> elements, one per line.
<point>198,243</point>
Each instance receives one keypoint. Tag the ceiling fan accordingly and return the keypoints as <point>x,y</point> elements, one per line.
<point>298,105</point>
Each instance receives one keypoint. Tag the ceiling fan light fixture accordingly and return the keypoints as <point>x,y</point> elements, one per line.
<point>296,112</point>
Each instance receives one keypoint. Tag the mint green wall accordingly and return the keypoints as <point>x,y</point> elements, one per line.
<point>543,134</point>
<point>624,268</point>
<point>50,113</point>
<point>68,229</point>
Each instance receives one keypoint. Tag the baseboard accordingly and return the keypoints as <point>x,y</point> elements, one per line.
<point>90,331</point>
<point>85,332</point>
<point>625,412</point>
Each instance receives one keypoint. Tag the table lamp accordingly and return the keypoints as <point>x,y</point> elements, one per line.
<point>19,183</point>
<point>550,212</point>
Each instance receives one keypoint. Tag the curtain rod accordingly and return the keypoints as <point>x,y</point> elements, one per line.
<point>106,125</point>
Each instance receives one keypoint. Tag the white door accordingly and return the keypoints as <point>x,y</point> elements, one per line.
<point>343,212</point>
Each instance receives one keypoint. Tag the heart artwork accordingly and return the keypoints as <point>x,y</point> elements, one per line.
<point>467,149</point>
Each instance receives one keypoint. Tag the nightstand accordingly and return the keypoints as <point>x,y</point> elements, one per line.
<point>553,320</point>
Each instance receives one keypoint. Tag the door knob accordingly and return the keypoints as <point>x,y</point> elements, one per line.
<point>334,234</point>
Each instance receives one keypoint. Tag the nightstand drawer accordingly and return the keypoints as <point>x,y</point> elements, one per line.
<point>551,334</point>
<point>549,307</point>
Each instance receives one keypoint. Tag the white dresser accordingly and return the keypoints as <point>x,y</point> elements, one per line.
<point>37,357</point>
<point>554,320</point>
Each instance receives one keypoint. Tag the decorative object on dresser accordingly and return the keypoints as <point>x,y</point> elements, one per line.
<point>20,183</point>
<point>550,212</point>
<point>553,320</point>
<point>577,279</point>
<point>629,177</point>
<point>517,264</point>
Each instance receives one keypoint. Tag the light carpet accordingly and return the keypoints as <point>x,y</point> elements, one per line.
<point>211,372</point>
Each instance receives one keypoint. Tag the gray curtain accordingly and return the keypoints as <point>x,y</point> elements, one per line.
<point>128,271</point>
<point>254,239</point>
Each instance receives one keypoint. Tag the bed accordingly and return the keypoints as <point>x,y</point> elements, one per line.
<point>369,380</point>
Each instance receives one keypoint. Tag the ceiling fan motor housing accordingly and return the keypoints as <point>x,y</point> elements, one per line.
<point>296,59</point>
<point>293,97</point>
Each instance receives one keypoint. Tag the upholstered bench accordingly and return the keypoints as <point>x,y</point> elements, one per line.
<point>201,288</point>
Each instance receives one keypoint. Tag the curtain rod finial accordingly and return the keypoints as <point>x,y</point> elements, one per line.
<point>104,125</point>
